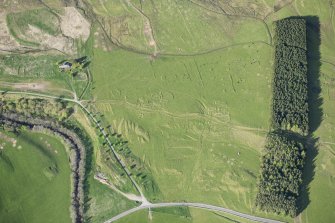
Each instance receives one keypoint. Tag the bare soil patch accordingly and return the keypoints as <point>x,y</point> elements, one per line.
<point>26,86</point>
<point>74,25</point>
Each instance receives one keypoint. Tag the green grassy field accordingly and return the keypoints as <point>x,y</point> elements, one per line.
<point>199,121</point>
<point>105,203</point>
<point>179,27</point>
<point>199,131</point>
<point>35,185</point>
<point>122,23</point>
<point>184,27</point>
<point>49,23</point>
<point>197,112</point>
<point>142,217</point>
<point>40,73</point>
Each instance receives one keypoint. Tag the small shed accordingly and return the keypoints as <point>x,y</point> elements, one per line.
<point>65,66</point>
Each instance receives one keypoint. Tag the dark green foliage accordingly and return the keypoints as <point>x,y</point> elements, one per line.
<point>291,32</point>
<point>283,162</point>
<point>281,174</point>
<point>290,96</point>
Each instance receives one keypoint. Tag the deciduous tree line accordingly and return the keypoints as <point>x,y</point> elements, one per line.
<point>282,164</point>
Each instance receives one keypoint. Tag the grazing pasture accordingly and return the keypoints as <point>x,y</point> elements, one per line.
<point>193,120</point>
<point>199,121</point>
<point>35,173</point>
<point>105,203</point>
<point>187,87</point>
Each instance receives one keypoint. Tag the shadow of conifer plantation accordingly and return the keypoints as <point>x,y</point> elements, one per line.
<point>313,71</point>
<point>308,173</point>
<point>314,104</point>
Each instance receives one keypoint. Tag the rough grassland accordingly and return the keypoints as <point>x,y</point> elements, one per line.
<point>19,21</point>
<point>199,122</point>
<point>182,27</point>
<point>177,26</point>
<point>196,121</point>
<point>35,185</point>
<point>40,70</point>
<point>105,203</point>
<point>183,115</point>
<point>122,23</point>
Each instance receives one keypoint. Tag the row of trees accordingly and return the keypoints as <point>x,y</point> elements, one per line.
<point>283,162</point>
<point>281,174</point>
<point>290,101</point>
<point>137,168</point>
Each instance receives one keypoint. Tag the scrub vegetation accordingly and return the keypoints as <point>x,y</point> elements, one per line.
<point>34,107</point>
<point>19,22</point>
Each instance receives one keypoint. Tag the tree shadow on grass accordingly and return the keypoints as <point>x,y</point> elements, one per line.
<point>310,144</point>
<point>313,72</point>
<point>313,40</point>
<point>314,105</point>
<point>308,173</point>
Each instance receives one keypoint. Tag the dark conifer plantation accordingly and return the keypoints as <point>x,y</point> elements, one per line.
<point>283,162</point>
<point>290,100</point>
<point>281,174</point>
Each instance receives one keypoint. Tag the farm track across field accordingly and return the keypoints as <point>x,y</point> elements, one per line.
<point>145,203</point>
<point>180,116</point>
<point>115,42</point>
